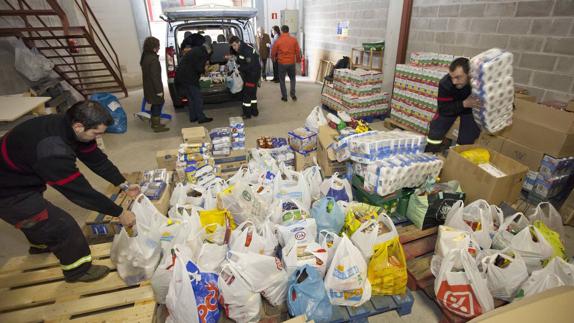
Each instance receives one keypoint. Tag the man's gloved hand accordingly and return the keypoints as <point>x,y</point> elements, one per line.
<point>127,219</point>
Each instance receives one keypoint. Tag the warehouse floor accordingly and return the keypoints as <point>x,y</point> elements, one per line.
<point>136,149</point>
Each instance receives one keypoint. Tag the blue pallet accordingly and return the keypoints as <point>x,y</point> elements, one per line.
<point>377,305</point>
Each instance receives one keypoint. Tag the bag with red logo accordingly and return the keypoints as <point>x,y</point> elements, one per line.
<point>193,296</point>
<point>245,238</point>
<point>241,304</point>
<point>304,231</point>
<point>460,288</point>
<point>296,255</point>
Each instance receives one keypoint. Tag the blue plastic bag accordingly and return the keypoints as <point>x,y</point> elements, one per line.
<point>307,295</point>
<point>206,293</point>
<point>328,215</point>
<point>111,103</point>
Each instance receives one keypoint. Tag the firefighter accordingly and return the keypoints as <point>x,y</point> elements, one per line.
<point>454,100</point>
<point>250,69</point>
<point>43,151</point>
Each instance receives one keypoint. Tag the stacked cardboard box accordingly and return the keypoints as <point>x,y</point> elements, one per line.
<point>415,93</point>
<point>426,59</point>
<point>357,92</point>
<point>326,157</point>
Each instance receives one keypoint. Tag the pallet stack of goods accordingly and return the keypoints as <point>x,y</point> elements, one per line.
<point>356,92</point>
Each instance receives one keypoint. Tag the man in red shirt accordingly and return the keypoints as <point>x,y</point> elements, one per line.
<point>287,53</point>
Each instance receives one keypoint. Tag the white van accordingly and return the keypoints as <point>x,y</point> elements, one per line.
<point>217,22</point>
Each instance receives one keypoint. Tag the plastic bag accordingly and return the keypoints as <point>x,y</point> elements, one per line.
<point>429,210</point>
<point>162,277</point>
<point>552,238</point>
<point>314,179</point>
<point>315,119</point>
<point>187,194</point>
<point>346,280</point>
<point>307,295</point>
<point>112,104</point>
<point>243,203</point>
<point>337,188</point>
<point>218,225</point>
<point>211,256</point>
<point>475,218</point>
<point>241,304</point>
<point>246,239</point>
<point>451,239</point>
<point>135,261</point>
<point>31,63</point>
<point>287,211</point>
<point>357,213</point>
<point>557,273</point>
<point>509,228</point>
<point>550,217</point>
<point>312,254</point>
<point>235,82</point>
<point>460,288</point>
<point>387,269</point>
<point>505,273</point>
<point>329,241</point>
<point>294,186</point>
<point>477,155</point>
<point>328,215</point>
<point>304,231</point>
<point>532,246</point>
<point>365,238</point>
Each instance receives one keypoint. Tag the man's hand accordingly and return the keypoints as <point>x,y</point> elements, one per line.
<point>127,219</point>
<point>471,102</point>
<point>133,190</point>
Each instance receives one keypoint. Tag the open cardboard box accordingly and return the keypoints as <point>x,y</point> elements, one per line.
<point>195,135</point>
<point>166,159</point>
<point>478,183</point>
<point>325,154</point>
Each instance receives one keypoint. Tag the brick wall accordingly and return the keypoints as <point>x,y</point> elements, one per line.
<point>540,34</point>
<point>367,23</point>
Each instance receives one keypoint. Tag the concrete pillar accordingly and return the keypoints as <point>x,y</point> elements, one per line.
<point>391,43</point>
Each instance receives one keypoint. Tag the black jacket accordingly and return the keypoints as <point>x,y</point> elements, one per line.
<point>450,98</point>
<point>191,66</point>
<point>43,151</point>
<point>151,77</point>
<point>248,61</point>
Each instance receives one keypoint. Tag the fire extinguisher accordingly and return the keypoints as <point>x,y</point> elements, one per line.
<point>303,66</point>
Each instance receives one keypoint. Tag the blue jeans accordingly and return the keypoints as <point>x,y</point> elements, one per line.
<point>195,103</point>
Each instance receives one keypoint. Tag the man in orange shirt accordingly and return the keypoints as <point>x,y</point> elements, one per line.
<point>286,51</point>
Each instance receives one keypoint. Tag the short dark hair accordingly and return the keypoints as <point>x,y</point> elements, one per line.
<point>90,114</point>
<point>277,30</point>
<point>150,44</point>
<point>234,39</point>
<point>285,28</point>
<point>462,62</point>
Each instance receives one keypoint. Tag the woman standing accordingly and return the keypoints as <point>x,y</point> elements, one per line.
<point>152,85</point>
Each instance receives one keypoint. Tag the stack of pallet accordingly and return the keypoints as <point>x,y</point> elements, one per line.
<point>357,92</point>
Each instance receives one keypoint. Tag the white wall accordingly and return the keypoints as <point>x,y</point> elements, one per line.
<point>117,20</point>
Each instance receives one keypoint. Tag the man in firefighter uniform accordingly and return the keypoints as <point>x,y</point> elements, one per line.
<point>454,100</point>
<point>250,69</point>
<point>43,151</point>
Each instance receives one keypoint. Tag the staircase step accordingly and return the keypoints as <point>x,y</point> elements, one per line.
<point>89,77</point>
<point>77,55</point>
<point>54,37</point>
<point>63,47</point>
<point>81,85</point>
<point>82,71</point>
<point>92,89</point>
<point>80,63</point>
<point>28,13</point>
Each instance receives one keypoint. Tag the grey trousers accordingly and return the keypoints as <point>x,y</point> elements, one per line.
<point>290,71</point>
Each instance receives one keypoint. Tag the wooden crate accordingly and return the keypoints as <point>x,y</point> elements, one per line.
<point>32,289</point>
<point>417,242</point>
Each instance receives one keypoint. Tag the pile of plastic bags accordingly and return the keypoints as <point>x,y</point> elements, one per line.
<point>481,255</point>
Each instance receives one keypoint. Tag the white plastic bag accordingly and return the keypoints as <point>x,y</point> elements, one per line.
<point>297,255</point>
<point>235,82</point>
<point>329,241</point>
<point>187,194</point>
<point>557,273</point>
<point>245,238</point>
<point>210,195</point>
<point>180,299</point>
<point>346,280</point>
<point>365,238</point>
<point>162,277</point>
<point>304,231</point>
<point>477,212</point>
<point>241,304</point>
<point>244,204</point>
<point>510,227</point>
<point>287,211</point>
<point>450,239</point>
<point>293,186</point>
<point>387,229</point>
<point>135,261</point>
<point>314,179</point>
<point>551,217</point>
<point>211,257</point>
<point>533,252</point>
<point>505,279</point>
<point>460,288</point>
<point>315,119</point>
<point>337,188</point>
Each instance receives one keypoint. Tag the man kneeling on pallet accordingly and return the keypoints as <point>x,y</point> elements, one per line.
<point>43,151</point>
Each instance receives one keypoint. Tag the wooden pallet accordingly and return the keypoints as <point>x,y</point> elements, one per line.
<point>417,242</point>
<point>32,289</point>
<point>375,306</point>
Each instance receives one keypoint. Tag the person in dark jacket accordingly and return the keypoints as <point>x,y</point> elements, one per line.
<point>250,69</point>
<point>43,151</point>
<point>190,41</point>
<point>275,33</point>
<point>454,100</point>
<point>264,44</point>
<point>152,85</point>
<point>191,67</point>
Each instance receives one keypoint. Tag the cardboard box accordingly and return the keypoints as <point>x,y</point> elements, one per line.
<point>195,135</point>
<point>304,161</point>
<point>326,155</point>
<point>234,156</point>
<point>542,128</point>
<point>554,305</point>
<point>452,134</point>
<point>489,141</point>
<point>477,183</point>
<point>162,204</point>
<point>525,155</point>
<point>166,159</point>
<point>526,97</point>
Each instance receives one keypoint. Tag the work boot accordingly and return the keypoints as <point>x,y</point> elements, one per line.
<point>254,110</point>
<point>157,126</point>
<point>96,272</point>
<point>246,112</point>
<point>38,250</point>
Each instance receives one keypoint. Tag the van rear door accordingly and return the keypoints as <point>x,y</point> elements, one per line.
<point>209,12</point>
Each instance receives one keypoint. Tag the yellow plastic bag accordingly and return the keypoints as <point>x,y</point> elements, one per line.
<point>476,155</point>
<point>357,213</point>
<point>216,216</point>
<point>553,239</point>
<point>387,270</point>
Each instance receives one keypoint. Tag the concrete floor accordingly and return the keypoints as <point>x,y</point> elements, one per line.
<point>135,150</point>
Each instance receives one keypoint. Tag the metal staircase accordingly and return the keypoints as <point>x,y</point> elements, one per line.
<point>82,54</point>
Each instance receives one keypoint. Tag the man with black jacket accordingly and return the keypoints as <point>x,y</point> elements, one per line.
<point>250,69</point>
<point>191,66</point>
<point>454,100</point>
<point>43,151</point>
